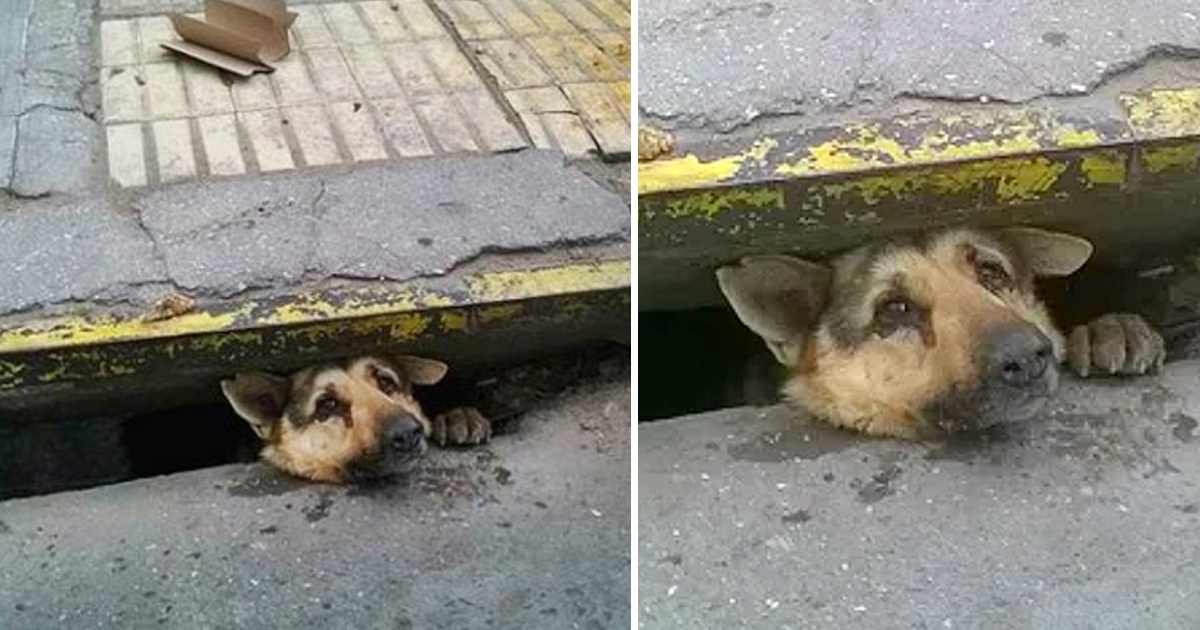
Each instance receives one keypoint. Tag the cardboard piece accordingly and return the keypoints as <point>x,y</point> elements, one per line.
<point>239,36</point>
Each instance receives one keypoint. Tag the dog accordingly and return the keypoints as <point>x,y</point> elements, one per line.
<point>350,421</point>
<point>930,334</point>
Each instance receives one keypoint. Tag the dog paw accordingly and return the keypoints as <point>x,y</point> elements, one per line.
<point>1117,343</point>
<point>463,426</point>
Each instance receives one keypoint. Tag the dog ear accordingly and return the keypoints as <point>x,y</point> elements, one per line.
<point>421,371</point>
<point>1049,253</point>
<point>259,398</point>
<point>780,298</point>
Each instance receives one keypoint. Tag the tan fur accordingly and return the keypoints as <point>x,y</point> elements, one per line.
<point>321,450</point>
<point>369,427</point>
<point>881,386</point>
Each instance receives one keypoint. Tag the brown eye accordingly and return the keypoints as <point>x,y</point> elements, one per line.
<point>327,406</point>
<point>992,276</point>
<point>387,383</point>
<point>895,313</point>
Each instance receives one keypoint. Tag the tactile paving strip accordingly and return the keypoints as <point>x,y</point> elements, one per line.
<point>563,66</point>
<point>365,81</point>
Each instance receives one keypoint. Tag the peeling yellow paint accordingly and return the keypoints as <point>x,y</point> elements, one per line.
<point>1103,167</point>
<point>1163,113</point>
<point>510,285</point>
<point>244,326</point>
<point>690,171</point>
<point>1159,159</point>
<point>1014,180</point>
<point>710,203</point>
<point>499,312</point>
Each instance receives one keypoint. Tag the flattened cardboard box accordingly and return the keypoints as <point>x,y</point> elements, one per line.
<point>240,36</point>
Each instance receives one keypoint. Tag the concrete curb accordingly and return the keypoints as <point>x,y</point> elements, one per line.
<point>462,318</point>
<point>819,190</point>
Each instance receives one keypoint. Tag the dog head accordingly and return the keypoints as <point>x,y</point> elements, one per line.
<point>936,333</point>
<point>347,421</point>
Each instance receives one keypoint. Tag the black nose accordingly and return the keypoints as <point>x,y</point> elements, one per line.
<point>1019,354</point>
<point>403,433</point>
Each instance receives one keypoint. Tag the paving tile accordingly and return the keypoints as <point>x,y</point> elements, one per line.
<point>449,129</point>
<point>369,65</point>
<point>8,146</point>
<point>293,82</point>
<point>264,128</point>
<point>384,21</point>
<point>252,93</point>
<point>420,20</point>
<point>451,65</point>
<point>152,32</point>
<point>222,149</point>
<point>314,134</point>
<point>550,18</point>
<point>513,65</point>
<point>602,114</point>
<point>332,75</point>
<point>122,95</point>
<point>614,12</point>
<point>550,119</point>
<point>402,128</point>
<point>357,127</point>
<point>118,43</point>
<point>416,76</point>
<point>559,59</point>
<point>173,150</point>
<point>309,29</point>
<point>208,93</point>
<point>346,24</point>
<point>164,86</point>
<point>473,20</point>
<point>496,131</point>
<point>516,20</point>
<point>581,16</point>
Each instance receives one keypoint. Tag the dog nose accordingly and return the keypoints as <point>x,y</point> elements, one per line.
<point>1019,353</point>
<point>403,433</point>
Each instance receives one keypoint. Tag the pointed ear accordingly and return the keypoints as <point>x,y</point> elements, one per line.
<point>1049,253</point>
<point>421,371</point>
<point>780,298</point>
<point>259,398</point>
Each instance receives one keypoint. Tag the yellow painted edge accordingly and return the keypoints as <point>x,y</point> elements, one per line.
<point>1158,114</point>
<point>482,288</point>
<point>870,146</point>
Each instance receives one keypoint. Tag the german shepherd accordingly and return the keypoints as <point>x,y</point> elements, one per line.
<point>349,421</point>
<point>930,334</point>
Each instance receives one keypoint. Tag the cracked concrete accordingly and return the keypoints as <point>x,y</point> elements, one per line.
<point>725,64</point>
<point>391,222</point>
<point>48,135</point>
<point>1085,518</point>
<point>218,239</point>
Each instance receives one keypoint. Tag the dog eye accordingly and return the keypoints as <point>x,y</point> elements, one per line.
<point>992,276</point>
<point>895,313</point>
<point>387,383</point>
<point>327,406</point>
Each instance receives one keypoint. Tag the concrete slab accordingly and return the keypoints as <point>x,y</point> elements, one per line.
<point>386,222</point>
<point>531,531</point>
<point>1084,519</point>
<point>77,253</point>
<point>725,64</point>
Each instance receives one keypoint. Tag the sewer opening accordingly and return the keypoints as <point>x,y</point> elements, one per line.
<point>54,455</point>
<point>705,359</point>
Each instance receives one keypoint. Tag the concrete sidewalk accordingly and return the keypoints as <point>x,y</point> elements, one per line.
<point>530,531</point>
<point>413,171</point>
<point>1085,519</point>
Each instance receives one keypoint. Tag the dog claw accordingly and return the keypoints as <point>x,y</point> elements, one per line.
<point>462,426</point>
<point>1115,344</point>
